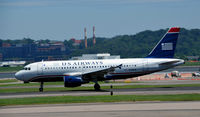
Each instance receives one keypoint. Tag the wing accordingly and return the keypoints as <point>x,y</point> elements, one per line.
<point>99,74</point>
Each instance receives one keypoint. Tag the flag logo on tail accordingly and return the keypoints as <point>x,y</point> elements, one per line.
<point>167,46</point>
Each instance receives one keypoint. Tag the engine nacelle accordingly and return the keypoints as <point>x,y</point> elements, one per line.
<point>72,81</point>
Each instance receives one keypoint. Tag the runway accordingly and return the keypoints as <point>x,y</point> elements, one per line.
<point>136,91</point>
<point>131,109</point>
<point>122,109</point>
<point>142,82</point>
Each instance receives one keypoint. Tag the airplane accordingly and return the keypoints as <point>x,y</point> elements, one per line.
<point>74,73</point>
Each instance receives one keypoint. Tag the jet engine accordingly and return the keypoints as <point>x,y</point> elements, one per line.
<point>72,81</point>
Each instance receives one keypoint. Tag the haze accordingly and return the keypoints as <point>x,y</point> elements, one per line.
<point>64,19</point>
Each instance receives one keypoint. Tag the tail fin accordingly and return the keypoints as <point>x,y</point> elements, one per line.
<point>167,45</point>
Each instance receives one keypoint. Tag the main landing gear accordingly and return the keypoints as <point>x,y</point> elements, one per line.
<point>97,87</point>
<point>41,86</point>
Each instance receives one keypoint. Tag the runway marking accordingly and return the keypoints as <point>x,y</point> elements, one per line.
<point>106,107</point>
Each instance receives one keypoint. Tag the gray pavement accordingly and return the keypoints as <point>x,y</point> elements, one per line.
<point>131,109</point>
<point>148,82</point>
<point>136,91</point>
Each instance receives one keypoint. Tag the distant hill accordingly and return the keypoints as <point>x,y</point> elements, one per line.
<point>140,44</point>
<point>127,46</point>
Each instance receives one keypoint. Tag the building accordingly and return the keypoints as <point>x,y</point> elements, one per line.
<point>96,56</point>
<point>193,58</point>
<point>12,63</point>
<point>1,57</point>
<point>76,42</point>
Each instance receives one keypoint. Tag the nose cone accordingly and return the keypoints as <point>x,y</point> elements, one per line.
<point>19,75</point>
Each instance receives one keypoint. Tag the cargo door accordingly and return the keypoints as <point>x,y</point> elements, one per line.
<point>145,65</point>
<point>40,68</point>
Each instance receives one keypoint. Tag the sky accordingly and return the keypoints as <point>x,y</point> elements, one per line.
<point>66,19</point>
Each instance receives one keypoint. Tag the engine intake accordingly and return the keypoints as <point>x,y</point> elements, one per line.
<point>72,81</point>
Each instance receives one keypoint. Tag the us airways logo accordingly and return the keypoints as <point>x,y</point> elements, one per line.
<point>167,46</point>
<point>82,63</point>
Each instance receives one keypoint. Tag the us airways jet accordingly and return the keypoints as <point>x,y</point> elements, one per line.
<point>74,73</point>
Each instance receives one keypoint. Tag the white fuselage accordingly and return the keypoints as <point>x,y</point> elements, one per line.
<point>56,70</point>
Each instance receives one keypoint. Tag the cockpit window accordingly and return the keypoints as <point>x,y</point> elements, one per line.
<point>27,68</point>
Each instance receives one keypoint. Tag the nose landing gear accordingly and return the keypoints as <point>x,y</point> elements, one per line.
<point>41,86</point>
<point>97,87</point>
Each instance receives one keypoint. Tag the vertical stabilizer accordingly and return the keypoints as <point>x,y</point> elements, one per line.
<point>167,45</point>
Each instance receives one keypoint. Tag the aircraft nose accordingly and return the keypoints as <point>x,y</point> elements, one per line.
<point>19,75</point>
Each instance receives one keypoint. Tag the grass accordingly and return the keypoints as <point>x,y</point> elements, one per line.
<point>10,69</point>
<point>22,89</point>
<point>191,64</point>
<point>37,84</point>
<point>29,84</point>
<point>48,83</point>
<point>95,99</point>
<point>8,80</point>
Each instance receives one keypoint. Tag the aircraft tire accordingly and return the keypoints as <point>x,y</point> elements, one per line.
<point>97,87</point>
<point>41,89</point>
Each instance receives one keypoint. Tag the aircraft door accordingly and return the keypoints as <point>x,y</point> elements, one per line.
<point>145,65</point>
<point>139,67</point>
<point>83,69</point>
<point>40,68</point>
